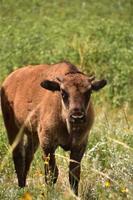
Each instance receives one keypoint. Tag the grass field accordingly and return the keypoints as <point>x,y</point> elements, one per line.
<point>107,167</point>
<point>98,37</point>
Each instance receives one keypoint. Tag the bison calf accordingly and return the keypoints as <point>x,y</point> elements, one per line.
<point>52,106</point>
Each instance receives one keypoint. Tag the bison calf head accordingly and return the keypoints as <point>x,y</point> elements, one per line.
<point>75,92</point>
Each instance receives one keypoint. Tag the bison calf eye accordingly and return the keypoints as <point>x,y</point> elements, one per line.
<point>87,95</point>
<point>64,95</point>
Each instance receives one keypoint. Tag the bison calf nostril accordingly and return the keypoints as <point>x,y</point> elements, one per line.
<point>77,117</point>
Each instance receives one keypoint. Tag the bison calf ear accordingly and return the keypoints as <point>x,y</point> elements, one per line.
<point>97,85</point>
<point>50,85</point>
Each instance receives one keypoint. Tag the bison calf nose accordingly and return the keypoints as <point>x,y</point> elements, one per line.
<point>77,117</point>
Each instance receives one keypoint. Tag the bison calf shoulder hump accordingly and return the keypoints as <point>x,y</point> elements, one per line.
<point>48,105</point>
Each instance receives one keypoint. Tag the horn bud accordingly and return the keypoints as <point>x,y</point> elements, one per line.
<point>92,78</point>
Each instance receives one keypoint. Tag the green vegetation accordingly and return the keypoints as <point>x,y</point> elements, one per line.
<point>107,167</point>
<point>97,36</point>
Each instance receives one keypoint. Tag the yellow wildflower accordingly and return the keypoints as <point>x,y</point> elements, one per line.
<point>124,190</point>
<point>27,196</point>
<point>107,184</point>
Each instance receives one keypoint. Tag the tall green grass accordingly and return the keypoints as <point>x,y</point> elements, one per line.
<point>95,35</point>
<point>107,167</point>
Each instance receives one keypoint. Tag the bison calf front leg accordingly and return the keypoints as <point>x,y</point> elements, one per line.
<point>74,168</point>
<point>51,170</point>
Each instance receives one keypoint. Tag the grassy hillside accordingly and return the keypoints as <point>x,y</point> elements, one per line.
<point>97,36</point>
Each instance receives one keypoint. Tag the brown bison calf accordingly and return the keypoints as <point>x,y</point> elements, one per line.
<point>50,105</point>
